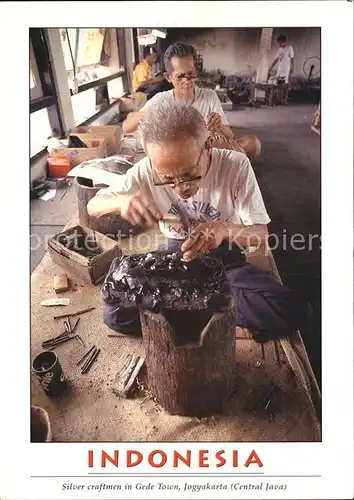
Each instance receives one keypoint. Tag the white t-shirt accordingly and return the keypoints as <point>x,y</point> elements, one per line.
<point>206,101</point>
<point>284,55</point>
<point>228,192</point>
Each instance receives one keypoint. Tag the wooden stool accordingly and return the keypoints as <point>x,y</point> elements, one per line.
<point>190,359</point>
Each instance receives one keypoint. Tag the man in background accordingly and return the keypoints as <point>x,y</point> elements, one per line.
<point>143,80</point>
<point>181,71</point>
<point>285,60</point>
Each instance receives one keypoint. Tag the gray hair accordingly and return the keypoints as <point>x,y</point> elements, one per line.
<point>168,119</point>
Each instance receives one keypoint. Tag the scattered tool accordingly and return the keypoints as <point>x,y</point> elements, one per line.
<point>91,358</point>
<point>80,340</point>
<point>85,355</point>
<point>52,343</point>
<point>63,337</point>
<point>67,325</point>
<point>77,313</point>
<point>61,283</point>
<point>126,378</point>
<point>269,399</point>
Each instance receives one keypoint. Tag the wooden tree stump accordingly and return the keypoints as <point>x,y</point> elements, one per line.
<point>190,359</point>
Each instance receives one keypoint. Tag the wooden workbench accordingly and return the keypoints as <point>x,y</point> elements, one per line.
<point>91,412</point>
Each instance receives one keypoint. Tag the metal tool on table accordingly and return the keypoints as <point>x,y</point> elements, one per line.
<point>77,313</point>
<point>90,356</point>
<point>70,331</point>
<point>63,337</point>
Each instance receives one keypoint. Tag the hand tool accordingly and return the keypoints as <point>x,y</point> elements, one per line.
<point>71,315</point>
<point>85,355</point>
<point>63,337</point>
<point>77,337</point>
<point>86,368</point>
<point>269,398</point>
<point>89,359</point>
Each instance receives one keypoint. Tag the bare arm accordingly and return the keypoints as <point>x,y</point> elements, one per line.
<point>253,235</point>
<point>227,131</point>
<point>208,236</point>
<point>104,204</point>
<point>138,208</point>
<point>214,124</point>
<point>132,121</point>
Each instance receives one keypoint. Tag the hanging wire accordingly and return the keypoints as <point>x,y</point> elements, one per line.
<point>73,61</point>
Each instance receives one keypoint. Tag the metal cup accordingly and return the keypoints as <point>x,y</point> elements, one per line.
<point>50,374</point>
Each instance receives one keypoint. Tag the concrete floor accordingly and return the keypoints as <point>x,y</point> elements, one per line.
<point>289,173</point>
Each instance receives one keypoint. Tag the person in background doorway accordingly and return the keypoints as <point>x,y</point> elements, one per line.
<point>285,60</point>
<point>143,80</point>
<point>181,71</point>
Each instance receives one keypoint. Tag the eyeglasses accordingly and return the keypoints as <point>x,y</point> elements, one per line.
<point>183,76</point>
<point>174,183</point>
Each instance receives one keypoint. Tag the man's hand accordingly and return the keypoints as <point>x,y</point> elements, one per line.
<point>214,122</point>
<point>206,236</point>
<point>139,209</point>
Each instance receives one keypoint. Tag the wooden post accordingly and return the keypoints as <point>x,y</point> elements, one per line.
<point>190,359</point>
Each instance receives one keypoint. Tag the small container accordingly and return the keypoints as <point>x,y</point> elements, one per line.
<point>59,167</point>
<point>50,374</point>
<point>70,249</point>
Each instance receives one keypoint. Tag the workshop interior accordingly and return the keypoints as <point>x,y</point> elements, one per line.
<point>133,336</point>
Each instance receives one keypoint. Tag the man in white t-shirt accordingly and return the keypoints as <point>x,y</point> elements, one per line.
<point>180,64</point>
<point>184,182</point>
<point>285,60</point>
<point>215,188</point>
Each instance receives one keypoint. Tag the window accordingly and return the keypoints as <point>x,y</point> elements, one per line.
<point>40,130</point>
<point>115,89</point>
<point>89,54</point>
<point>35,83</point>
<point>84,105</point>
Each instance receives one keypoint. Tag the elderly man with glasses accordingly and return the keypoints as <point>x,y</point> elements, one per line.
<point>216,190</point>
<point>180,64</point>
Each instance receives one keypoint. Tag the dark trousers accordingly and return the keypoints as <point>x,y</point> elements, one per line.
<point>263,305</point>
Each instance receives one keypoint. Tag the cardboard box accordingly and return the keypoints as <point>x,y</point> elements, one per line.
<point>112,134</point>
<point>91,269</point>
<point>97,148</point>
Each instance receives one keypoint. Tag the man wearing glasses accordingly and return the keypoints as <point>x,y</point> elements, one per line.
<point>183,178</point>
<point>180,64</point>
<point>214,187</point>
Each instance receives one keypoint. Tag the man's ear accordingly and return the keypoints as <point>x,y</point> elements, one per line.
<point>167,77</point>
